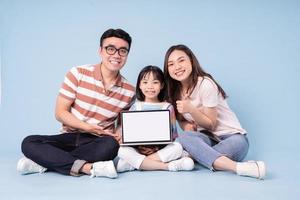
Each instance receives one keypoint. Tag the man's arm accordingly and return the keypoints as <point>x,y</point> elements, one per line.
<point>64,115</point>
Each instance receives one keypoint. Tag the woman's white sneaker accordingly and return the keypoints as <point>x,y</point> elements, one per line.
<point>182,164</point>
<point>256,169</point>
<point>27,166</point>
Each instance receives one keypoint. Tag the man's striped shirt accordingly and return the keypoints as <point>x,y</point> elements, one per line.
<point>91,102</point>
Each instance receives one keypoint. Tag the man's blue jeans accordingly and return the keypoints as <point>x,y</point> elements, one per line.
<point>66,153</point>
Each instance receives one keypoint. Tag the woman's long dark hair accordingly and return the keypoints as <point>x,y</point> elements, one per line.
<point>157,74</point>
<point>174,87</point>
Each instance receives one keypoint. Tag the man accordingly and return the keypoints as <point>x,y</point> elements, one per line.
<point>88,104</point>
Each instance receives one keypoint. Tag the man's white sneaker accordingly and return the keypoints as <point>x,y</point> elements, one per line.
<point>124,166</point>
<point>256,169</point>
<point>27,166</point>
<point>185,164</point>
<point>104,168</point>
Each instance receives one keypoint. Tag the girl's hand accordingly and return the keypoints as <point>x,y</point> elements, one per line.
<point>184,106</point>
<point>147,150</point>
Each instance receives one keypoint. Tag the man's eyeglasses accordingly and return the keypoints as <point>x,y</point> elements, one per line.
<point>111,50</point>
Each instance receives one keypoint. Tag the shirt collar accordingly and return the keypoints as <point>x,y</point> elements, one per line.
<point>98,76</point>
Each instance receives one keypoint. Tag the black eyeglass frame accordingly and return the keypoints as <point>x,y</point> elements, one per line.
<point>116,50</point>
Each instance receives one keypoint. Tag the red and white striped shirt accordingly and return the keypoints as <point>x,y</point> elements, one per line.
<point>91,102</point>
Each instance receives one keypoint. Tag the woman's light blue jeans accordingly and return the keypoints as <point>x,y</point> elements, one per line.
<point>205,151</point>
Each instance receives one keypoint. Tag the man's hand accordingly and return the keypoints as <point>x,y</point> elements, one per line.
<point>98,130</point>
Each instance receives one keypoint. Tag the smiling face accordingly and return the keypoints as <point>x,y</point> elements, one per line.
<point>179,66</point>
<point>113,62</point>
<point>150,87</point>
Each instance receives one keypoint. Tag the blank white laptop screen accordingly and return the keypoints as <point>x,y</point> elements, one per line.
<point>146,127</point>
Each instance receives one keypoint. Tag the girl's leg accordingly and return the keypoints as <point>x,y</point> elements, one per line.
<point>142,162</point>
<point>170,152</point>
<point>130,155</point>
<point>185,163</point>
<point>149,164</point>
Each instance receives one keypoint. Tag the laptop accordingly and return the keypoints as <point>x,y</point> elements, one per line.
<point>147,127</point>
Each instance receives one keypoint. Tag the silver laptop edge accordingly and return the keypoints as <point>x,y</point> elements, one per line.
<point>150,142</point>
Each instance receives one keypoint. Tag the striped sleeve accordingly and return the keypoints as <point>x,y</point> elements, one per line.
<point>69,86</point>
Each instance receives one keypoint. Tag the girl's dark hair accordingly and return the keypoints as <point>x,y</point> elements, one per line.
<point>174,87</point>
<point>157,74</point>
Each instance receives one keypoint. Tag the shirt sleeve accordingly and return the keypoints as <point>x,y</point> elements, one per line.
<point>69,87</point>
<point>209,92</point>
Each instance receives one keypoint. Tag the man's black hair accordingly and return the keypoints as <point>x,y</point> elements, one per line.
<point>119,33</point>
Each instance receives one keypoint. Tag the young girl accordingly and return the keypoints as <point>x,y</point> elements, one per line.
<point>216,138</point>
<point>150,94</point>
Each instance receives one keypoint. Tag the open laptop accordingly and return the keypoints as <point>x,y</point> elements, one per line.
<point>147,127</point>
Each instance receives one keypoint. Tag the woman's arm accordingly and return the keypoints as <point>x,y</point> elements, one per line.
<point>205,117</point>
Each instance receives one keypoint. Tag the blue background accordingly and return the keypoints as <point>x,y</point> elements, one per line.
<point>250,47</point>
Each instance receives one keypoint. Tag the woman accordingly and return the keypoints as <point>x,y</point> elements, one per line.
<point>214,136</point>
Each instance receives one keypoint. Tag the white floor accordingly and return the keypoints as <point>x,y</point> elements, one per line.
<point>282,182</point>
